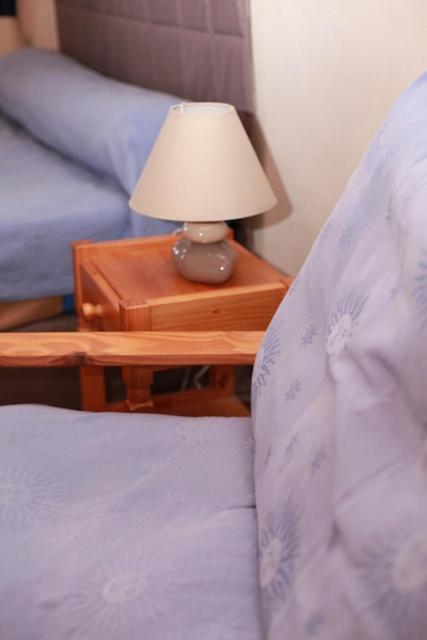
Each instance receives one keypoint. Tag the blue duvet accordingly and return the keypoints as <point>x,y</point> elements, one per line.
<point>46,202</point>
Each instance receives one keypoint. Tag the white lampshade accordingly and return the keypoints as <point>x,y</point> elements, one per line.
<point>202,168</point>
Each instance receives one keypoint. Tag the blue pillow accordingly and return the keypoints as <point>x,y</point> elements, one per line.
<point>106,125</point>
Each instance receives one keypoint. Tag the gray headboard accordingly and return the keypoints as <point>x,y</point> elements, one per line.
<point>197,49</point>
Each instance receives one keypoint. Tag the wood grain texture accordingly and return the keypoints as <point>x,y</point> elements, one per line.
<point>135,315</point>
<point>128,349</point>
<point>144,269</point>
<point>110,275</point>
<point>247,308</point>
<point>92,389</point>
<point>78,252</point>
<point>205,402</point>
<point>192,402</point>
<point>132,285</point>
<point>101,296</point>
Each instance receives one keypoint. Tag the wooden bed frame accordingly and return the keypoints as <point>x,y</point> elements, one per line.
<point>152,349</point>
<point>112,349</point>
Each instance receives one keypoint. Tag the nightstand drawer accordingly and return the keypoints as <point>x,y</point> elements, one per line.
<point>99,309</point>
<point>239,309</point>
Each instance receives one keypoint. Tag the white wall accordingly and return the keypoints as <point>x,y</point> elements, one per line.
<point>326,72</point>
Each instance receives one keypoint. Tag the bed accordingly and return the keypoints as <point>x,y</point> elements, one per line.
<point>308,521</point>
<point>47,199</point>
<point>54,107</point>
<point>73,144</point>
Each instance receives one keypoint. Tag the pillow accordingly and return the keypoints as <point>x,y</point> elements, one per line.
<point>106,125</point>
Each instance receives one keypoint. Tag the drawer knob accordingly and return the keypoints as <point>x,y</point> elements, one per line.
<point>90,312</point>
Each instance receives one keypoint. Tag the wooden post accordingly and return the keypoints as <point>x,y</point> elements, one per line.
<point>92,379</point>
<point>135,316</point>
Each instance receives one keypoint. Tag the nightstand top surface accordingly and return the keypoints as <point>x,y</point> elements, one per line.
<point>142,268</point>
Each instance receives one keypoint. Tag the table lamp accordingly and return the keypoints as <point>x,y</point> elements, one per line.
<point>202,171</point>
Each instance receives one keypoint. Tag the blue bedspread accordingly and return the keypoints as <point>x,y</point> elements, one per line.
<point>126,527</point>
<point>46,202</point>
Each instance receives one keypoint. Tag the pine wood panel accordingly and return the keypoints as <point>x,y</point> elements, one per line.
<point>206,402</point>
<point>128,349</point>
<point>240,308</point>
<point>92,379</point>
<point>97,294</point>
<point>79,251</point>
<point>132,285</point>
<point>92,388</point>
<point>145,270</point>
<point>136,315</point>
<point>203,402</point>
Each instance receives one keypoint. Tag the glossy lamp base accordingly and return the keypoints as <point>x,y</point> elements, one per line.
<point>211,262</point>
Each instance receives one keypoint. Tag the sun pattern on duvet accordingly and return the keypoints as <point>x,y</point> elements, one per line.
<point>267,357</point>
<point>121,597</point>
<point>342,321</point>
<point>279,547</point>
<point>27,496</point>
<point>194,437</point>
<point>394,576</point>
<point>309,336</point>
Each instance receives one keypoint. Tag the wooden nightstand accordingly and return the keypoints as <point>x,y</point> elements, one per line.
<point>131,285</point>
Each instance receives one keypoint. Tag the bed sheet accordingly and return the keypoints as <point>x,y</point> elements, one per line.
<point>136,527</point>
<point>47,202</point>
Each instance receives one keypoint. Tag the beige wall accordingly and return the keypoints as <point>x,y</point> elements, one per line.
<point>35,26</point>
<point>326,72</point>
<point>11,36</point>
<point>38,22</point>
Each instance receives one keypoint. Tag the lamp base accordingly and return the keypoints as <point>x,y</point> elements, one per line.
<point>211,262</point>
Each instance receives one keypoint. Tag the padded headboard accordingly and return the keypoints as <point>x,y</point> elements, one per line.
<point>197,49</point>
